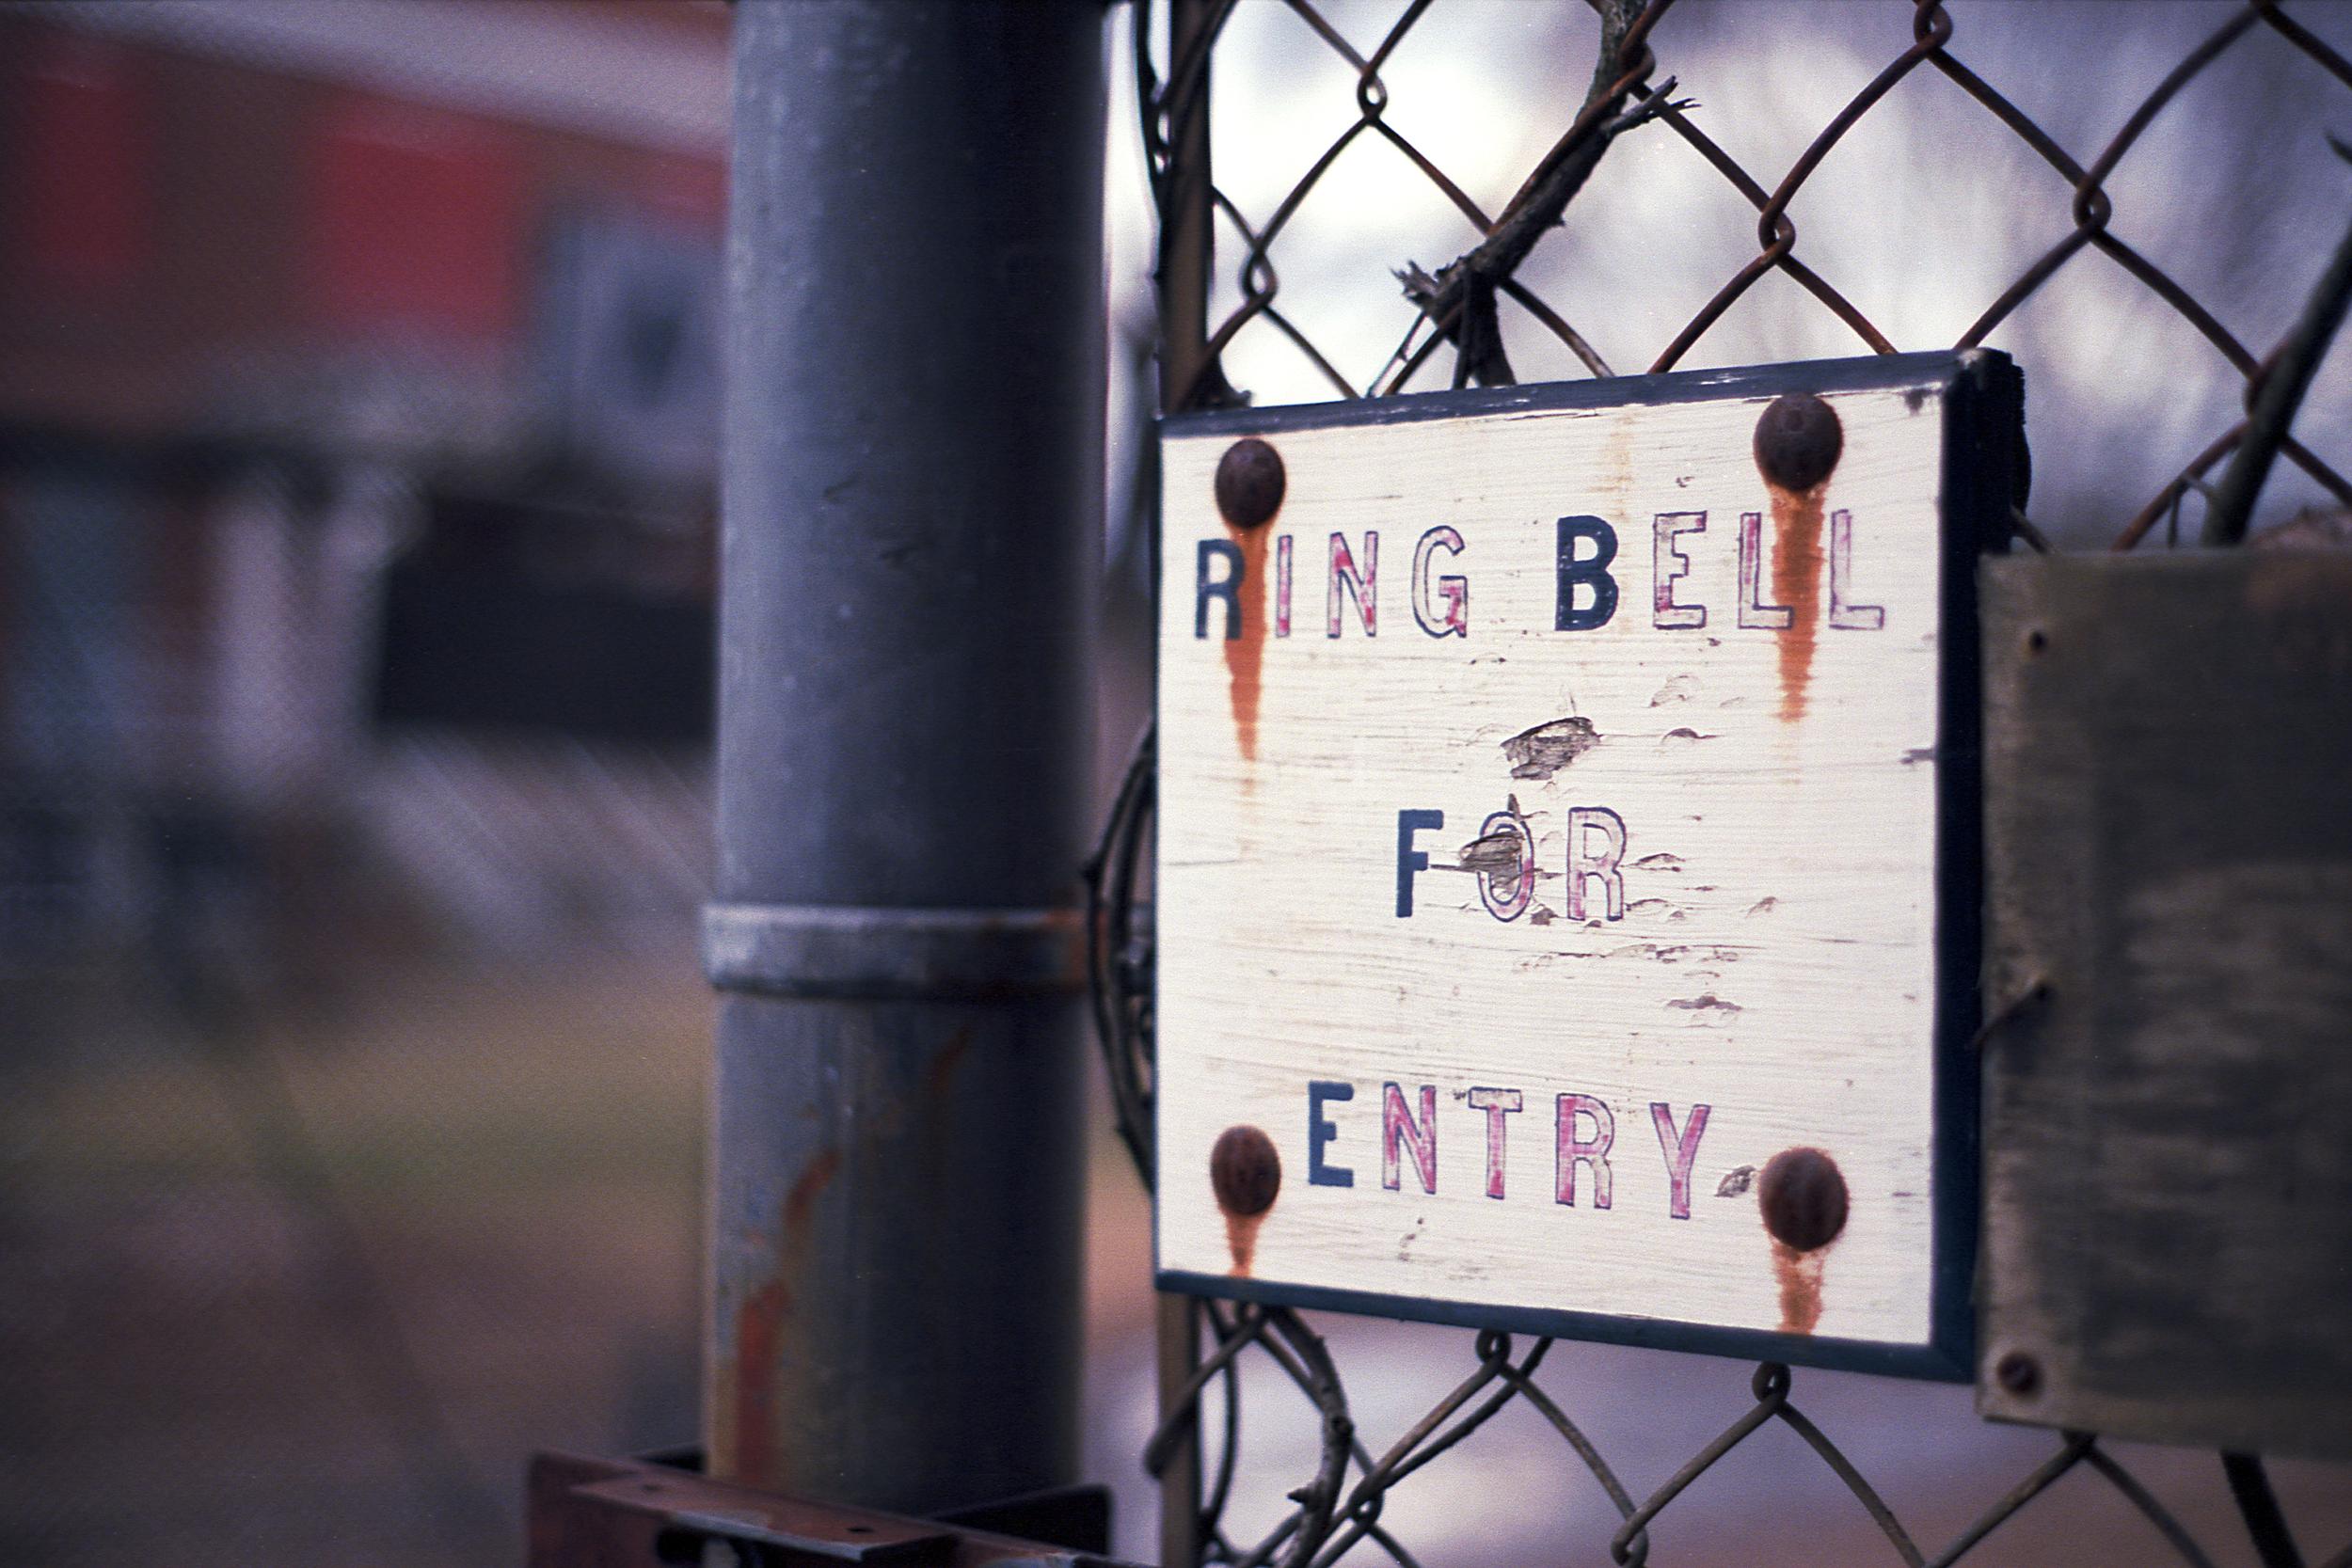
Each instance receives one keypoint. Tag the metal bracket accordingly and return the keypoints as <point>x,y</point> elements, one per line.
<point>855,951</point>
<point>639,1513</point>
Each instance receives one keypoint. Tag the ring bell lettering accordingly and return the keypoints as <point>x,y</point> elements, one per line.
<point>1587,599</point>
<point>1568,858</point>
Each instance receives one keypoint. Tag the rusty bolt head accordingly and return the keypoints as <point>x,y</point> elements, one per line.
<point>1798,441</point>
<point>1249,482</point>
<point>1245,1171</point>
<point>2018,1373</point>
<point>1803,1198</point>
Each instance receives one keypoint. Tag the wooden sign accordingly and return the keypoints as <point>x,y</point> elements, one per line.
<point>1568,882</point>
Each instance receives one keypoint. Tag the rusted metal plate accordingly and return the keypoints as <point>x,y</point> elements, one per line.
<point>2167,1088</point>
<point>1568,881</point>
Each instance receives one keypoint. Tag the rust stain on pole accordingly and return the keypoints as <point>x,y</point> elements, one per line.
<point>763,1326</point>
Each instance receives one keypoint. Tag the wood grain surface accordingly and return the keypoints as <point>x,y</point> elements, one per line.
<point>1530,927</point>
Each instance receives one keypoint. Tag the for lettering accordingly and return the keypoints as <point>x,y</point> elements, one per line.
<point>1595,847</point>
<point>1506,893</point>
<point>1410,860</point>
<point>1399,1130</point>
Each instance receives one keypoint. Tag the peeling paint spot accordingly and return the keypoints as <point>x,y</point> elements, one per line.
<point>1677,690</point>
<point>1705,1001</point>
<point>1542,915</point>
<point>1542,751</point>
<point>1646,906</point>
<point>1764,905</point>
<point>1660,862</point>
<point>1683,733</point>
<point>1735,1181</point>
<point>1497,854</point>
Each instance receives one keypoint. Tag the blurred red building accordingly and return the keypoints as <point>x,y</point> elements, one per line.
<point>358,405</point>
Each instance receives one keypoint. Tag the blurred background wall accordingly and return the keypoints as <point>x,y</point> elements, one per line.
<point>358,391</point>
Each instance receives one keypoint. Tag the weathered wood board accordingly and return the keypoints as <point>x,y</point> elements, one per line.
<point>2169,1103</point>
<point>1568,881</point>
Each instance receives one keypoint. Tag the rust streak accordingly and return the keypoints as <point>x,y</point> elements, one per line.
<point>802,1200</point>
<point>1800,1275</point>
<point>758,1340</point>
<point>1797,583</point>
<point>748,1448</point>
<point>1241,1240</point>
<point>940,1076</point>
<point>1245,656</point>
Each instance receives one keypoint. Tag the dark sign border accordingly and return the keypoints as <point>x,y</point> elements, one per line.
<point>1982,480</point>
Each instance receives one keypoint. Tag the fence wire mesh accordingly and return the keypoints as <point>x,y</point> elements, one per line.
<point>2229,230</point>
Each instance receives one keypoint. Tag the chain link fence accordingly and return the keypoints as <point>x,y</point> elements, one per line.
<point>2133,237</point>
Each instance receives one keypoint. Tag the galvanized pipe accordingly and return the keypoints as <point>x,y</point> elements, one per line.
<point>912,478</point>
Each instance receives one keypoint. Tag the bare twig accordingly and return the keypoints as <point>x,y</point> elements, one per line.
<point>2290,376</point>
<point>1460,300</point>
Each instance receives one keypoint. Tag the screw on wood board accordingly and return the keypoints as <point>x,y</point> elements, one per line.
<point>1802,1194</point>
<point>2018,1373</point>
<point>1798,441</point>
<point>1245,1171</point>
<point>1250,482</point>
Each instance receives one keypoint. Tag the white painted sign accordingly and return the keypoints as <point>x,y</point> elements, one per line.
<point>1566,896</point>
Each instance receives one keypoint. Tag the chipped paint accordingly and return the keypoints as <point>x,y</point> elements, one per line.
<point>1543,750</point>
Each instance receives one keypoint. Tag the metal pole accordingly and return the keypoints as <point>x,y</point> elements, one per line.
<point>912,491</point>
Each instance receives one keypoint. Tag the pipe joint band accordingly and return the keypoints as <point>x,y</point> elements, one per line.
<point>854,952</point>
